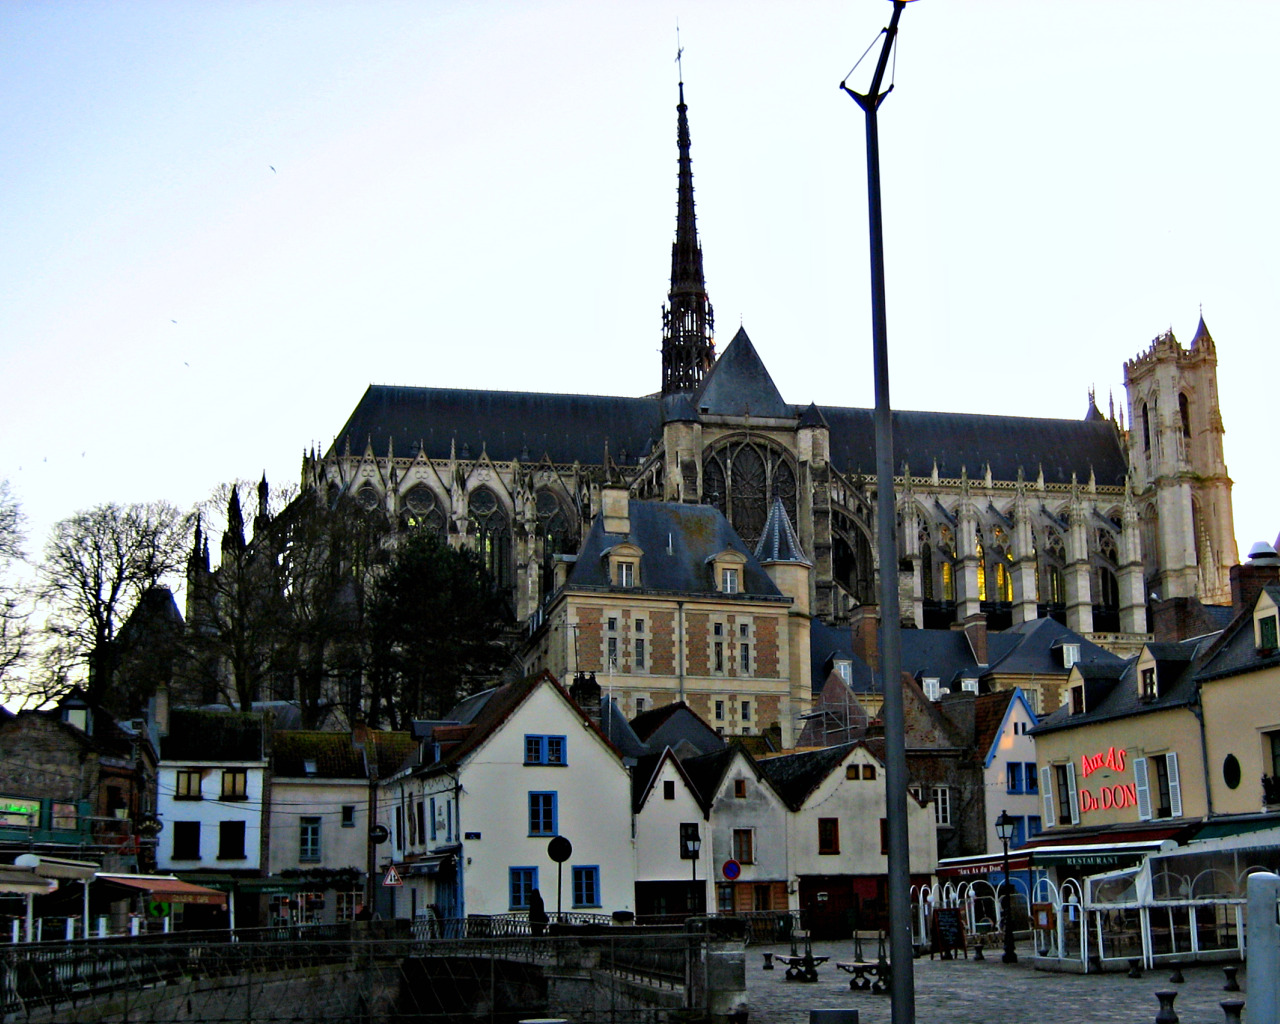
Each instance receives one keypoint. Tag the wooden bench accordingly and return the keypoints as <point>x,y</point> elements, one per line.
<point>867,976</point>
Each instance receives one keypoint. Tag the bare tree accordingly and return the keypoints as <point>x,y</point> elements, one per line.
<point>97,565</point>
<point>15,637</point>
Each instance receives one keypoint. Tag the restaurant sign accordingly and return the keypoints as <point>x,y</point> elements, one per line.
<point>19,813</point>
<point>1106,797</point>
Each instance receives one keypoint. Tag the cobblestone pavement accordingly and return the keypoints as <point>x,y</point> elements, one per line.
<point>988,992</point>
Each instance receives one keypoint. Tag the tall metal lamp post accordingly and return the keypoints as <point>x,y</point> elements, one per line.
<point>692,845</point>
<point>1004,829</point>
<point>902,974</point>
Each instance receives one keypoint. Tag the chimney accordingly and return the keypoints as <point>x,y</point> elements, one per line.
<point>864,626</point>
<point>158,712</point>
<point>585,692</point>
<point>359,733</point>
<point>616,509</point>
<point>1247,581</point>
<point>975,631</point>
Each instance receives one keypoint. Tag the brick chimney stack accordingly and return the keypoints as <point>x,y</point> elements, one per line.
<point>864,625</point>
<point>1247,581</point>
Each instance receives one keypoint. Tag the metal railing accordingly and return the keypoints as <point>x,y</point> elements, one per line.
<point>248,979</point>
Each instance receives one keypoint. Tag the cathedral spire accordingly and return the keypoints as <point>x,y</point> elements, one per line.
<point>688,324</point>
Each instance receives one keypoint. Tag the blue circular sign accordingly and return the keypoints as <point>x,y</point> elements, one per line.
<point>731,870</point>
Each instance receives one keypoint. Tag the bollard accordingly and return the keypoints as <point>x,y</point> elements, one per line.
<point>1232,985</point>
<point>1166,1014</point>
<point>1135,967</point>
<point>1232,1008</point>
<point>977,951</point>
<point>768,962</point>
<point>1176,977</point>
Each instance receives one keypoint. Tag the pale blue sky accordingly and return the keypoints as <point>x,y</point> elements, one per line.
<point>483,195</point>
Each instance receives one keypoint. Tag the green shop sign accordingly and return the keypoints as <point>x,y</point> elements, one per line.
<point>19,813</point>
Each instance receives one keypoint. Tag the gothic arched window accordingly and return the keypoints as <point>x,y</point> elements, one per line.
<point>926,572</point>
<point>492,531</point>
<point>557,533</point>
<point>1184,411</point>
<point>368,497</point>
<point>1004,584</point>
<point>741,479</point>
<point>1146,429</point>
<point>982,573</point>
<point>421,510</point>
<point>948,583</point>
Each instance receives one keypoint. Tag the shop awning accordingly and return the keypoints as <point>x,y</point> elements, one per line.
<point>167,888</point>
<point>1223,828</point>
<point>1094,855</point>
<point>981,864</point>
<point>429,865</point>
<point>24,882</point>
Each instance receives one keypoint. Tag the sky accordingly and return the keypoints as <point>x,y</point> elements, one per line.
<point>221,221</point>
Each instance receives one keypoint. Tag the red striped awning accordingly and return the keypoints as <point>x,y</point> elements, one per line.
<point>167,888</point>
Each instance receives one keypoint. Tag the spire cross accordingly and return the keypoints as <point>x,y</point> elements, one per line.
<point>679,54</point>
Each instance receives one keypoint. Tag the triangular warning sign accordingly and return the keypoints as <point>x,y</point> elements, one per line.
<point>392,877</point>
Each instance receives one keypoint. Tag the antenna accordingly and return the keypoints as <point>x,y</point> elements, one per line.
<point>679,53</point>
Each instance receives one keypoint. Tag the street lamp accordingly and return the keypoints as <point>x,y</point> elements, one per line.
<point>1004,829</point>
<point>692,844</point>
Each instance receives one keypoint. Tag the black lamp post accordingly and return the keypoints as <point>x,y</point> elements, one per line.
<point>1004,829</point>
<point>692,845</point>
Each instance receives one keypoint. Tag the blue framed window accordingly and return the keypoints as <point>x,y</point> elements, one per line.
<point>522,883</point>
<point>586,886</point>
<point>1013,776</point>
<point>1033,825</point>
<point>1033,781</point>
<point>1019,832</point>
<point>542,814</point>
<point>545,750</point>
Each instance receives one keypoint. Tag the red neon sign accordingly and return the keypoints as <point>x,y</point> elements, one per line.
<point>1108,797</point>
<point>1113,759</point>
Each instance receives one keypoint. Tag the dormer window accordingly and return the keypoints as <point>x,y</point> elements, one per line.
<point>1267,632</point>
<point>845,670</point>
<point>1077,700</point>
<point>729,581</point>
<point>623,564</point>
<point>1148,684</point>
<point>932,687</point>
<point>1070,654</point>
<point>969,685</point>
<point>727,571</point>
<point>626,574</point>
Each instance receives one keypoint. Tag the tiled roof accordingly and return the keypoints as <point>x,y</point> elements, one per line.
<point>1235,652</point>
<point>331,754</point>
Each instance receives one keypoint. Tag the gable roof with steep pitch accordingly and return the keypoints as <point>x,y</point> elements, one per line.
<point>795,776</point>
<point>645,774</point>
<point>992,712</point>
<point>740,385</point>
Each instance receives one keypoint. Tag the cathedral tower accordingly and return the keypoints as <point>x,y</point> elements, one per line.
<point>688,324</point>
<point>1179,474</point>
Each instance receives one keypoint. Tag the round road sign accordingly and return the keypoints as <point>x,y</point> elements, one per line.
<point>731,870</point>
<point>559,849</point>
<point>379,833</point>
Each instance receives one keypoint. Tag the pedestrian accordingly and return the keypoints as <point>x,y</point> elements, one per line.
<point>537,913</point>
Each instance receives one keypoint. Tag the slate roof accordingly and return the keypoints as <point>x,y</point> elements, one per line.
<point>778,542</point>
<point>739,385</point>
<point>196,734</point>
<point>830,643</point>
<point>568,428</point>
<point>1235,653</point>
<point>1111,691</point>
<point>507,424</point>
<point>642,777</point>
<point>795,776</point>
<point>333,754</point>
<point>390,751</point>
<point>673,725</point>
<point>694,532</point>
<point>1032,644</point>
<point>966,441</point>
<point>707,771</point>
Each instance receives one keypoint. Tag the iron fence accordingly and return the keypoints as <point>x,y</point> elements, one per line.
<point>620,976</point>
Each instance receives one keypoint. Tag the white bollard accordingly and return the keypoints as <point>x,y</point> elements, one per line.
<point>1262,938</point>
<point>71,928</point>
<point>16,937</point>
<point>102,926</point>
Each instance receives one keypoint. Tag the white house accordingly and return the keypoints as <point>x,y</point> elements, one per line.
<point>211,783</point>
<point>747,830</point>
<point>1009,775</point>
<point>836,836</point>
<point>673,839</point>
<point>319,825</point>
<point>471,823</point>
